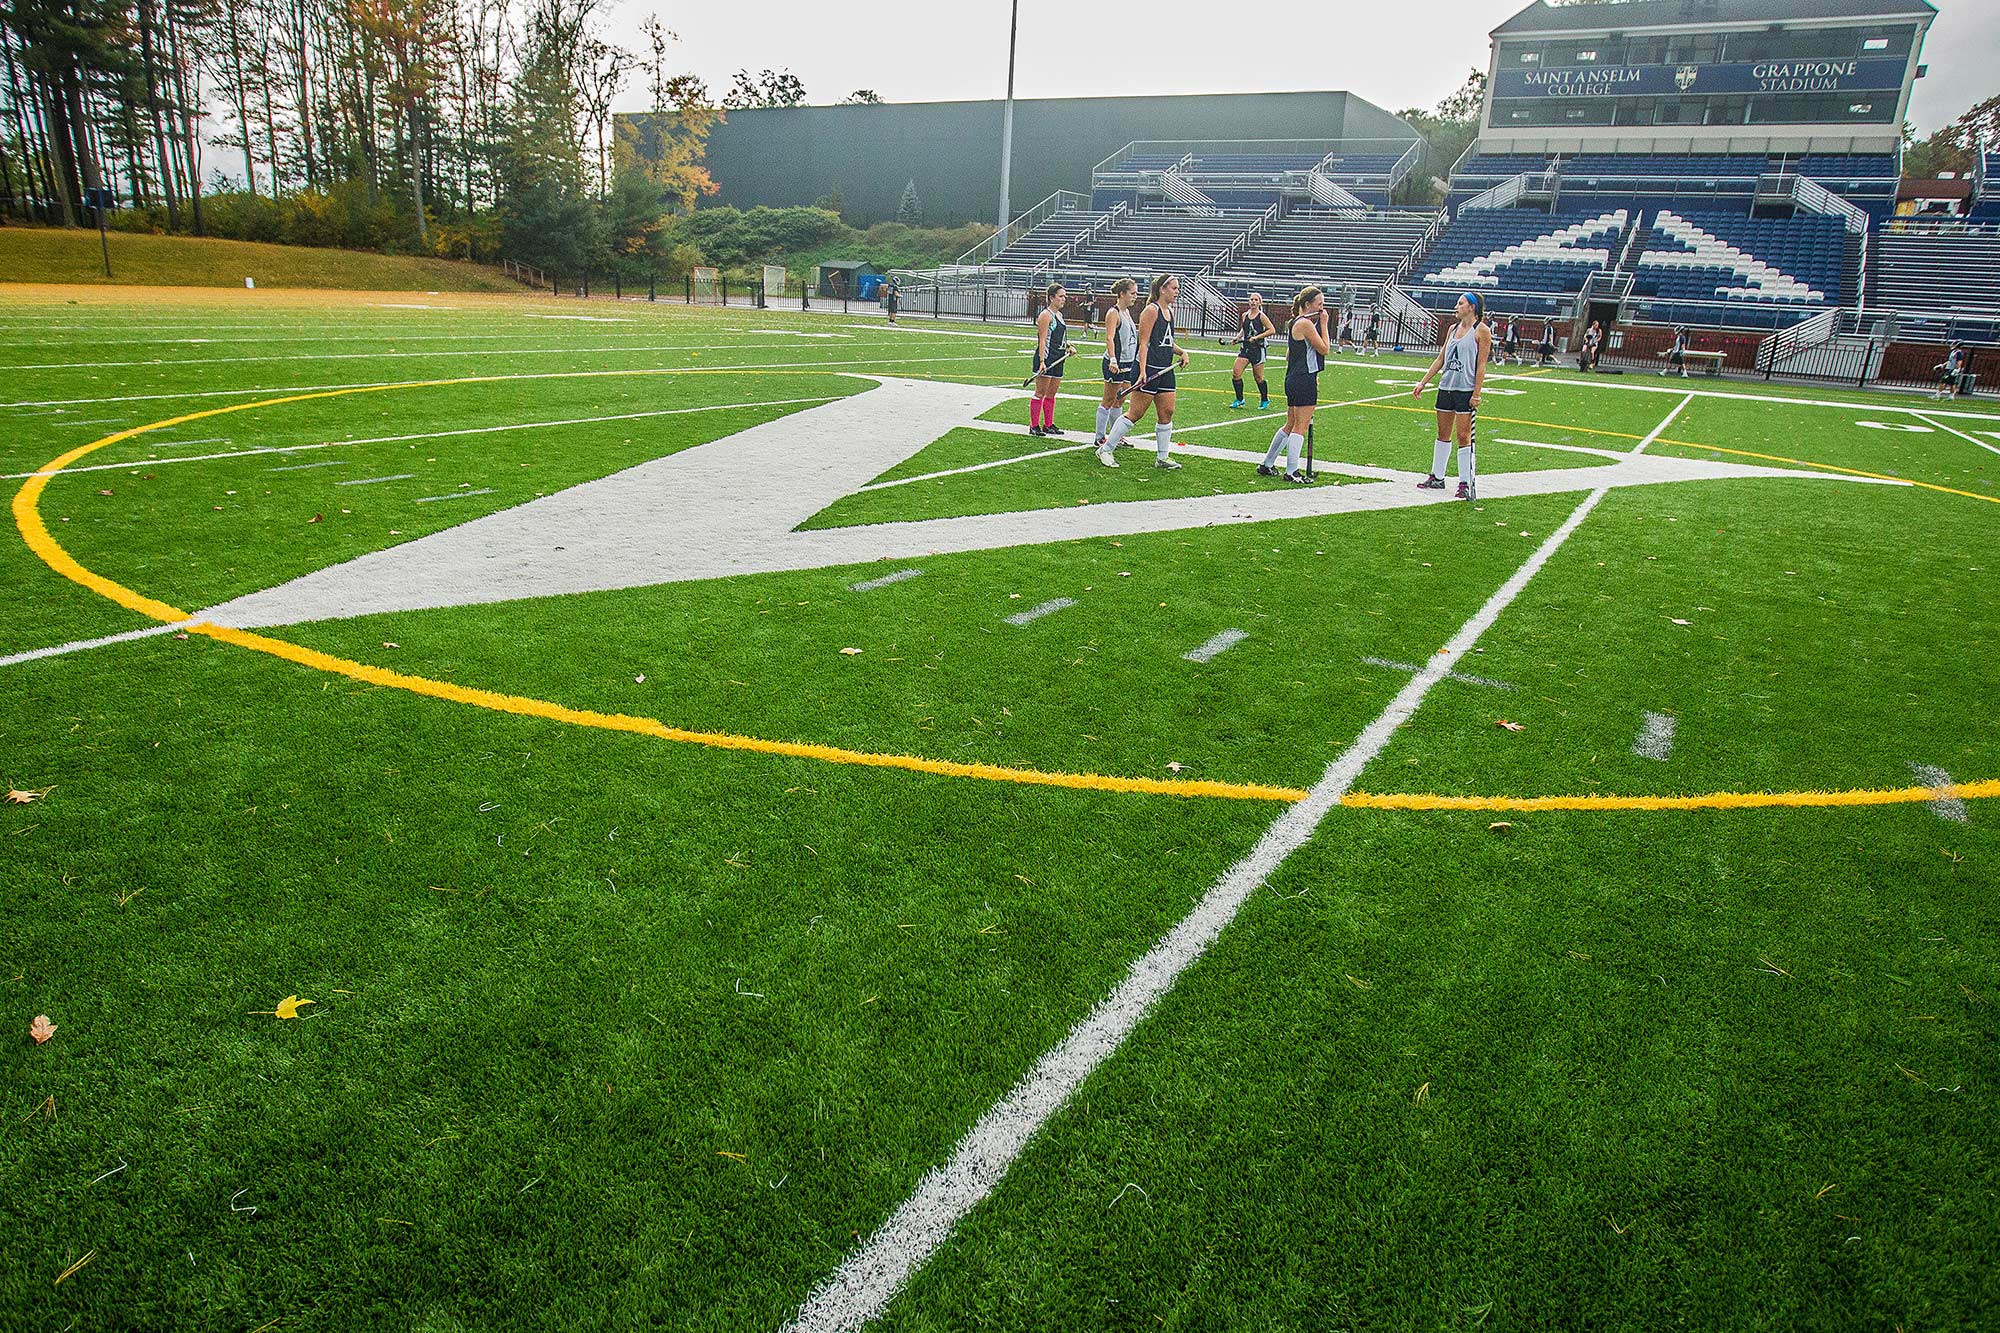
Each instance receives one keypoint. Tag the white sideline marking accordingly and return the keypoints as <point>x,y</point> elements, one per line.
<point>1566,448</point>
<point>971,467</point>
<point>306,467</point>
<point>1945,807</point>
<point>581,319</point>
<point>370,481</point>
<point>1962,435</point>
<point>36,654</point>
<point>1216,646</point>
<point>427,435</point>
<point>1459,676</point>
<point>1048,608</point>
<point>1656,737</point>
<point>182,444</point>
<point>870,585</point>
<point>828,366</point>
<point>455,495</point>
<point>867,1280</point>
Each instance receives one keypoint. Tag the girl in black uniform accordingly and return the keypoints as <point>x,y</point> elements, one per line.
<point>1051,352</point>
<point>1346,332</point>
<point>1305,357</point>
<point>1251,338</point>
<point>1374,347</point>
<point>1121,360</point>
<point>1159,358</point>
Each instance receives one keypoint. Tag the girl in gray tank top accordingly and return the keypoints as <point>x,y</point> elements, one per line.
<point>1460,371</point>
<point>1121,360</point>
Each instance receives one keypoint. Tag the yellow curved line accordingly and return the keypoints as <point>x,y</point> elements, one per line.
<point>28,519</point>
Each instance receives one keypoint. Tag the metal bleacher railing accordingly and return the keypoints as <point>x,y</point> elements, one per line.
<point>990,248</point>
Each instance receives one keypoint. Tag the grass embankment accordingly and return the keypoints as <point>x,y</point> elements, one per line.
<point>51,254</point>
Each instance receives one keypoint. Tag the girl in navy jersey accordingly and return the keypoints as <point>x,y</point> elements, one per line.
<point>1159,359</point>
<point>1051,353</point>
<point>1305,357</point>
<point>1252,337</point>
<point>1121,361</point>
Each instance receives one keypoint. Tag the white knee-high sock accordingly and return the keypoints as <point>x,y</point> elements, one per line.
<point>1465,465</point>
<point>1440,458</point>
<point>1163,438</point>
<point>1103,420</point>
<point>1293,443</point>
<point>1277,446</point>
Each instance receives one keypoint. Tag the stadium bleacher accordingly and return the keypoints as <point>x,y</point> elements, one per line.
<point>1523,250</point>
<point>1336,249</point>
<point>1727,257</point>
<point>1162,240</point>
<point>1938,269</point>
<point>1047,238</point>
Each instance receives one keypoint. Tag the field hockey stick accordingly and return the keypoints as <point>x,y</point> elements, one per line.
<point>1254,338</point>
<point>1150,379</point>
<point>1310,474</point>
<point>1034,375</point>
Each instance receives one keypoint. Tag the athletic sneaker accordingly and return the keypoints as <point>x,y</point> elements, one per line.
<point>1105,456</point>
<point>1238,403</point>
<point>1298,479</point>
<point>1431,484</point>
<point>1263,471</point>
<point>1167,463</point>
<point>1264,406</point>
<point>1036,430</point>
<point>1052,430</point>
<point>1464,492</point>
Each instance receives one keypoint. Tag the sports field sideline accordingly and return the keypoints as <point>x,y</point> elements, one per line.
<point>758,840</point>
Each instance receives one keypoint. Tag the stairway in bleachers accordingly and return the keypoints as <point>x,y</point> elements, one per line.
<point>1044,240</point>
<point>1159,240</point>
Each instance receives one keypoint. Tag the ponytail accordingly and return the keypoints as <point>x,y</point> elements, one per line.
<point>1050,294</point>
<point>1305,298</point>
<point>1122,286</point>
<point>1160,281</point>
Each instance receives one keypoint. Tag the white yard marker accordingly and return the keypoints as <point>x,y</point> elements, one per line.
<point>1216,646</point>
<point>370,481</point>
<point>864,1284</point>
<point>1962,435</point>
<point>1946,806</point>
<point>1656,737</point>
<point>1035,613</point>
<point>81,645</point>
<point>1566,448</point>
<point>455,495</point>
<point>1461,677</point>
<point>307,467</point>
<point>870,585</point>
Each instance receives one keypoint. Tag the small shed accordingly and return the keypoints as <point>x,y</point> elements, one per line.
<point>845,278</point>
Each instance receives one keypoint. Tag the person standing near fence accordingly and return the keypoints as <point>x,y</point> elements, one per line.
<point>1051,352</point>
<point>1460,371</point>
<point>1951,373</point>
<point>1305,357</point>
<point>892,299</point>
<point>1374,347</point>
<point>1548,344</point>
<point>1253,333</point>
<point>1153,387</point>
<point>1121,361</point>
<point>1593,347</point>
<point>1677,359</point>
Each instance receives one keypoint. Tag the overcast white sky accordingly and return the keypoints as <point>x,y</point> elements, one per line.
<point>1395,55</point>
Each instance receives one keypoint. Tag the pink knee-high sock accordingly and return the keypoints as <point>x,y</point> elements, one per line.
<point>1035,411</point>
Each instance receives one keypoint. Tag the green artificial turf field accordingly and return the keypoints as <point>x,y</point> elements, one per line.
<point>658,944</point>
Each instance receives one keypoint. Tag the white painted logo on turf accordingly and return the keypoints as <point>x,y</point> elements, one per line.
<point>735,505</point>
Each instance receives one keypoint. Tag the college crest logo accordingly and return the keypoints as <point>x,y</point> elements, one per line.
<point>1685,76</point>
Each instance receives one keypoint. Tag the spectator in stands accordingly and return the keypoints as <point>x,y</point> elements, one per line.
<point>1460,371</point>
<point>1051,351</point>
<point>1254,328</point>
<point>1593,347</point>
<point>1951,373</point>
<point>1121,362</point>
<point>1548,344</point>
<point>1677,359</point>
<point>1159,359</point>
<point>1305,357</point>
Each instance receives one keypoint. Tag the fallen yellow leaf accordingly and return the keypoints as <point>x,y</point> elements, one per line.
<point>289,1006</point>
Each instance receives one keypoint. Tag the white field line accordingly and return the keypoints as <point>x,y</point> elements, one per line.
<point>1459,676</point>
<point>370,481</point>
<point>278,337</point>
<point>941,333</point>
<point>183,444</point>
<point>1216,646</point>
<point>831,367</point>
<point>580,349</point>
<point>403,439</point>
<point>971,467</point>
<point>80,645</point>
<point>1047,608</point>
<point>864,1284</point>
<point>1946,806</point>
<point>1991,449</point>
<point>455,495</point>
<point>1566,448</point>
<point>870,585</point>
<point>1610,385</point>
<point>1656,737</point>
<point>307,467</point>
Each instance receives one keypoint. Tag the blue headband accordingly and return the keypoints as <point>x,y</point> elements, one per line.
<point>1473,301</point>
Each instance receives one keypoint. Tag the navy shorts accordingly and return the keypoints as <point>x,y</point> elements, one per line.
<point>1118,374</point>
<point>1059,363</point>
<point>1455,400</point>
<point>1252,352</point>
<point>1301,391</point>
<point>1155,382</point>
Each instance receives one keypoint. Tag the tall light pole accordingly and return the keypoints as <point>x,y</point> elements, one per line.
<point>1007,118</point>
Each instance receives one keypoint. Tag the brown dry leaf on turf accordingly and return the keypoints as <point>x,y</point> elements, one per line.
<point>23,797</point>
<point>1511,726</point>
<point>104,492</point>
<point>316,518</point>
<point>41,1029</point>
<point>387,644</point>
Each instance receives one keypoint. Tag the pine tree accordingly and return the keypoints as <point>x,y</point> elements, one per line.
<point>910,211</point>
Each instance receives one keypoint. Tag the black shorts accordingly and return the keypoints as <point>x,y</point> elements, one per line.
<point>1455,400</point>
<point>1155,381</point>
<point>1059,363</point>
<point>1512,346</point>
<point>1252,352</point>
<point>1301,391</point>
<point>1118,374</point>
